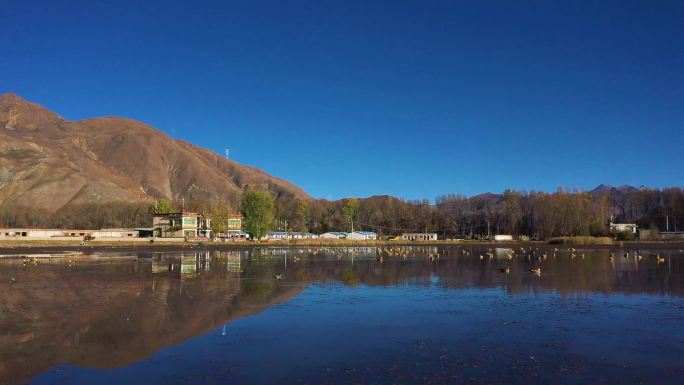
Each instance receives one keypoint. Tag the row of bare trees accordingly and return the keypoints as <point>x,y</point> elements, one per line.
<point>536,214</point>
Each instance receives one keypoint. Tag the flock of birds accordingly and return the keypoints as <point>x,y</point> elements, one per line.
<point>535,255</point>
<point>35,262</point>
<point>637,255</point>
<point>532,254</point>
<point>542,255</point>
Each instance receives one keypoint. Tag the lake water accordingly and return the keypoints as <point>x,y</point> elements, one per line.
<point>415,315</point>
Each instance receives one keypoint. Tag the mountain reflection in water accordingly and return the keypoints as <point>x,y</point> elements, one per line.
<point>110,311</point>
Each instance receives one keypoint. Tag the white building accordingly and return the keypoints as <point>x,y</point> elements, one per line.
<point>503,237</point>
<point>303,235</point>
<point>66,233</point>
<point>32,233</point>
<point>333,235</point>
<point>233,235</point>
<point>362,236</point>
<point>623,227</point>
<point>419,237</point>
<point>277,235</point>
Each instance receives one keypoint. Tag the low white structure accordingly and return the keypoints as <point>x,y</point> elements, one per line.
<point>419,237</point>
<point>31,233</point>
<point>623,227</point>
<point>276,235</point>
<point>66,233</point>
<point>333,235</point>
<point>503,237</point>
<point>362,236</point>
<point>233,235</point>
<point>113,233</point>
<point>303,235</point>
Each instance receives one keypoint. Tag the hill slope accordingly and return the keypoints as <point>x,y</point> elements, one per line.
<point>50,163</point>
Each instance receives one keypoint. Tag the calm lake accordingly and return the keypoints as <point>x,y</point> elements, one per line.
<point>411,315</point>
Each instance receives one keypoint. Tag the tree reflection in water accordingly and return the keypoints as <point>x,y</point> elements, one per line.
<point>112,311</point>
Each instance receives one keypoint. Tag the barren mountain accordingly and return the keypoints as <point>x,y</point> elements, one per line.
<point>49,162</point>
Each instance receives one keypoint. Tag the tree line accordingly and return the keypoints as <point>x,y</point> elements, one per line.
<point>539,215</point>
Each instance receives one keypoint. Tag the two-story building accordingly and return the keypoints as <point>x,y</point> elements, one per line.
<point>233,230</point>
<point>182,224</point>
<point>234,222</point>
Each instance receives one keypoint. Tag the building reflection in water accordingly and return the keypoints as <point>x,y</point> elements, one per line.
<point>192,265</point>
<point>110,312</point>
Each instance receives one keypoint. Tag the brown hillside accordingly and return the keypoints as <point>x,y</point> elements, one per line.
<point>49,162</point>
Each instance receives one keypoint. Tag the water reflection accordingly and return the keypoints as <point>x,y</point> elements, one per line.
<point>111,312</point>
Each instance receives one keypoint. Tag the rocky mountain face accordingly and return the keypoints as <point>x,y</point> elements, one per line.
<point>49,163</point>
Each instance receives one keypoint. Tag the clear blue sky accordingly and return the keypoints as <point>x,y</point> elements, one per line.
<point>355,98</point>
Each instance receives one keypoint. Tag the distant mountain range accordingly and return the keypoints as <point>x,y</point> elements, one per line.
<point>612,189</point>
<point>602,188</point>
<point>51,163</point>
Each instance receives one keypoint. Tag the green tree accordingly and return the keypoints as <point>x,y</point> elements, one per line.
<point>350,209</point>
<point>162,206</point>
<point>220,212</point>
<point>257,208</point>
<point>303,216</point>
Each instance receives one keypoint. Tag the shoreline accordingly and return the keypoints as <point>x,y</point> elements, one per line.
<point>15,248</point>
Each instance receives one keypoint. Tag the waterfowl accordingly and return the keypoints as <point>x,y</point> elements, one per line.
<point>279,276</point>
<point>661,259</point>
<point>12,281</point>
<point>31,261</point>
<point>536,271</point>
<point>505,270</point>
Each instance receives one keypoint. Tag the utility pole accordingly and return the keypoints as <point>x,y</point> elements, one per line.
<point>667,223</point>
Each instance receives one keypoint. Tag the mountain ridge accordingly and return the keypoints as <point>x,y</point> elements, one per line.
<point>49,162</point>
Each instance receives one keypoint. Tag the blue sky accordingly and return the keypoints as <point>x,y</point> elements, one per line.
<point>356,98</point>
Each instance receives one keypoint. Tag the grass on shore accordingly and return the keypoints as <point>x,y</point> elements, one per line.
<point>581,240</point>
